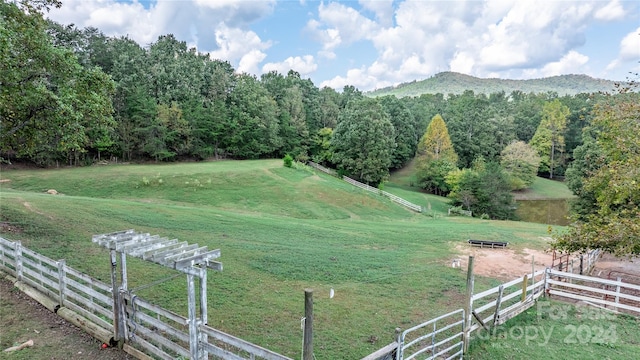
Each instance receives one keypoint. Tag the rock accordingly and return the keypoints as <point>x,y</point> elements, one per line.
<point>52,192</point>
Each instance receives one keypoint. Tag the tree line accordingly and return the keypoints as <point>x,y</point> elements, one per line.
<point>75,95</point>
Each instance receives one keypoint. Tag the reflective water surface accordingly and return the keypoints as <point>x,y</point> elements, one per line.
<point>552,212</point>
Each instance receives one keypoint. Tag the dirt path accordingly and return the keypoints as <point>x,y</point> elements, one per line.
<point>22,318</point>
<point>503,264</point>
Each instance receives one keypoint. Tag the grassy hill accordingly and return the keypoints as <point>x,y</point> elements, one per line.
<point>456,83</point>
<point>280,230</point>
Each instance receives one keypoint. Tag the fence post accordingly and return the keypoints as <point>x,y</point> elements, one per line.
<point>118,320</point>
<point>524,288</point>
<point>203,309</point>
<point>498,304</point>
<point>307,344</point>
<point>619,279</point>
<point>62,284</point>
<point>469,310</point>
<point>399,354</point>
<point>546,285</point>
<point>581,264</point>
<point>193,319</point>
<point>18,256</point>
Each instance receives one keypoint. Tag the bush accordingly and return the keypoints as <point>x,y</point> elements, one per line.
<point>288,160</point>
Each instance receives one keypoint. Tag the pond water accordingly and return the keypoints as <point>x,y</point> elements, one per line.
<point>552,212</point>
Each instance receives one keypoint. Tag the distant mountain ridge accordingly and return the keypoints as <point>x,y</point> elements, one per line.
<point>456,83</point>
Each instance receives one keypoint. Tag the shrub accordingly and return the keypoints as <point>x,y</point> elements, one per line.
<point>288,160</point>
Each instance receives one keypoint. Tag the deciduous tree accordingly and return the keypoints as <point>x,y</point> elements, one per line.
<point>549,137</point>
<point>615,224</point>
<point>363,141</point>
<point>521,162</point>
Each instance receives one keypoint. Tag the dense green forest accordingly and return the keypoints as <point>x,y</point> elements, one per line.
<point>75,96</point>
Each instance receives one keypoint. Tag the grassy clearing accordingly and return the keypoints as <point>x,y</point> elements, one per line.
<point>543,189</point>
<point>556,330</point>
<point>280,230</point>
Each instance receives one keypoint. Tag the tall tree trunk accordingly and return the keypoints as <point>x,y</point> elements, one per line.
<point>553,149</point>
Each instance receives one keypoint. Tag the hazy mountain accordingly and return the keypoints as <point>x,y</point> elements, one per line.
<point>456,83</point>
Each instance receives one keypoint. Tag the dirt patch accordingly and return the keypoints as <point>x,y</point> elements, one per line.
<point>503,264</point>
<point>31,208</point>
<point>611,267</point>
<point>23,318</point>
<point>6,227</point>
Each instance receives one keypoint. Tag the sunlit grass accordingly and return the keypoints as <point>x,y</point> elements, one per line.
<point>280,230</point>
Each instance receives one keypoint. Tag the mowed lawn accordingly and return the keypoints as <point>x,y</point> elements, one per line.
<point>280,230</point>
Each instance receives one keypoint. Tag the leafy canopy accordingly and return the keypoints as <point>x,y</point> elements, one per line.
<point>521,162</point>
<point>614,224</point>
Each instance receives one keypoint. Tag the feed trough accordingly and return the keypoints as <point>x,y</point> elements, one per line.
<point>488,243</point>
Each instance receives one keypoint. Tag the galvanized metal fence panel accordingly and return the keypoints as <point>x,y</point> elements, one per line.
<point>427,340</point>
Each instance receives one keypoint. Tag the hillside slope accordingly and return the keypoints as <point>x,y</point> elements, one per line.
<point>456,83</point>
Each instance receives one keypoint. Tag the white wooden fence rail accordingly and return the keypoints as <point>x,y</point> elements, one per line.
<point>612,294</point>
<point>391,197</point>
<point>372,189</point>
<point>151,329</point>
<point>497,305</point>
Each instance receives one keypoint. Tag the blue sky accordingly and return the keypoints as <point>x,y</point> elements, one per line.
<point>376,43</point>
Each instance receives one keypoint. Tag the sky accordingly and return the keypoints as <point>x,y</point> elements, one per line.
<point>372,44</point>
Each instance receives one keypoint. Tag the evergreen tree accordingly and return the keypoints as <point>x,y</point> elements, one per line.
<point>436,157</point>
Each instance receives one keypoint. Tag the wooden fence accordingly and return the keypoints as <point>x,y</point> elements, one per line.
<point>323,169</point>
<point>576,264</point>
<point>495,306</point>
<point>394,198</point>
<point>612,294</point>
<point>372,189</point>
<point>88,303</point>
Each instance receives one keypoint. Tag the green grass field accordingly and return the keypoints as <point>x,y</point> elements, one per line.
<point>556,330</point>
<point>544,189</point>
<point>280,230</point>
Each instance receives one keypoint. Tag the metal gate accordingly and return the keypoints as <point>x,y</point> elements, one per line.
<point>428,340</point>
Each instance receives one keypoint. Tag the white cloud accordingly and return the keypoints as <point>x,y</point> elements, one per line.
<point>462,63</point>
<point>383,9</point>
<point>360,78</point>
<point>629,51</point>
<point>250,61</point>
<point>517,38</point>
<point>219,27</point>
<point>630,46</point>
<point>612,11</point>
<point>304,65</point>
<point>339,25</point>
<point>246,47</point>
<point>572,63</point>
<point>411,39</point>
